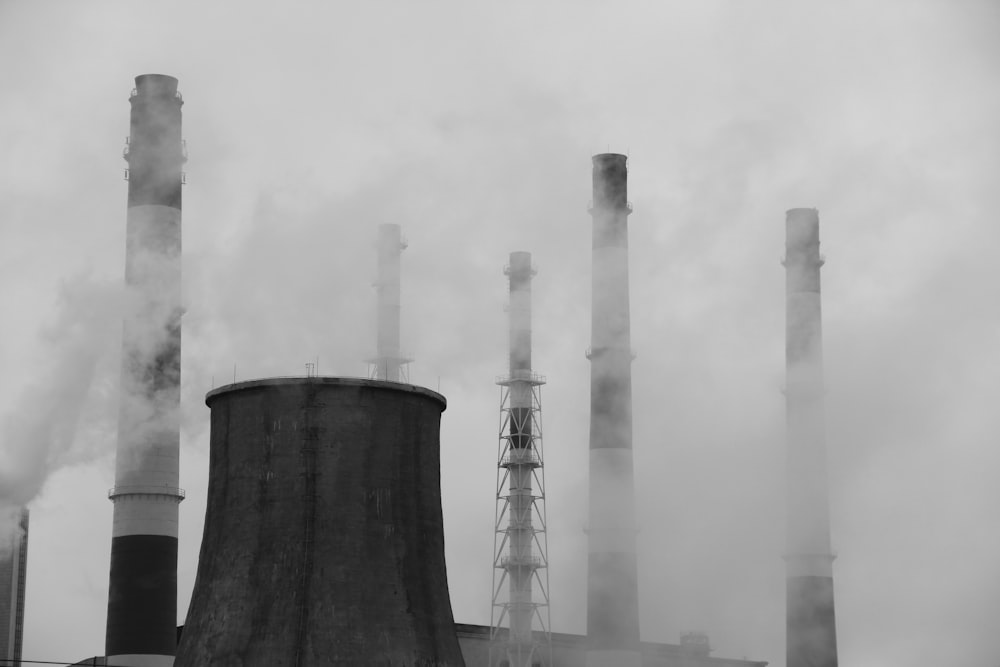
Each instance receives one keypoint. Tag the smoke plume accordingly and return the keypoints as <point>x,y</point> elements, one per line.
<point>65,414</point>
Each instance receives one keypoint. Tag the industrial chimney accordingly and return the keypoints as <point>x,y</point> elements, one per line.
<point>811,639</point>
<point>520,546</point>
<point>13,578</point>
<point>612,586</point>
<point>142,597</point>
<point>323,541</point>
<point>388,363</point>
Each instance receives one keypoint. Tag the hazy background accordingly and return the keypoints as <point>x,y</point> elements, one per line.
<point>472,126</point>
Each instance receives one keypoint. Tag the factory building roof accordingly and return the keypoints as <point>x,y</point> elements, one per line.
<point>570,650</point>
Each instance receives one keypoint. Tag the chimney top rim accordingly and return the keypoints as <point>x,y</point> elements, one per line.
<point>156,83</point>
<point>609,157</point>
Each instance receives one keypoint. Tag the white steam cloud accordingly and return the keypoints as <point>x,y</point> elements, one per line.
<point>65,414</point>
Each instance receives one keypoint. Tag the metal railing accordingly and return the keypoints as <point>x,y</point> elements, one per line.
<point>520,376</point>
<point>590,206</point>
<point>517,457</point>
<point>145,490</point>
<point>534,562</point>
<point>135,93</point>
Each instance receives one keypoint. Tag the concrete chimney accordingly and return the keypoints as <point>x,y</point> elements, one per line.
<point>388,363</point>
<point>13,579</point>
<point>520,273</point>
<point>612,577</point>
<point>811,639</point>
<point>142,597</point>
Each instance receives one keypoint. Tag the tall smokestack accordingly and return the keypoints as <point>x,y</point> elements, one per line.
<point>13,577</point>
<point>811,639</point>
<point>521,547</point>
<point>324,541</point>
<point>142,599</point>
<point>612,586</point>
<point>521,565</point>
<point>388,363</point>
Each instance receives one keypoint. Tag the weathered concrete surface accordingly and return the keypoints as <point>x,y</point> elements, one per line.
<point>323,540</point>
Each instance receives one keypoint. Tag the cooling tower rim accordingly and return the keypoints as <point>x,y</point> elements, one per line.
<point>285,381</point>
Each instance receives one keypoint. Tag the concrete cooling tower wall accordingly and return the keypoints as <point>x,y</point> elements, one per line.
<point>323,540</point>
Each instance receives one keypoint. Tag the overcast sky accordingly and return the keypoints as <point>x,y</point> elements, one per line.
<point>472,125</point>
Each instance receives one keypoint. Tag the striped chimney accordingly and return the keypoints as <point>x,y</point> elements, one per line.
<point>612,586</point>
<point>142,598</point>
<point>811,639</point>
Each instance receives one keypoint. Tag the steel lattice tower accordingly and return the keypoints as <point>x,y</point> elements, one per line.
<point>520,544</point>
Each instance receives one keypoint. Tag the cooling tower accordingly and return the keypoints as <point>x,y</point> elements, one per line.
<point>811,639</point>
<point>612,575</point>
<point>142,594</point>
<point>323,540</point>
